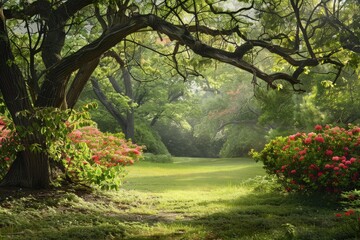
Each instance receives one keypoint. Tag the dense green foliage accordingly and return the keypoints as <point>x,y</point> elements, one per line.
<point>146,136</point>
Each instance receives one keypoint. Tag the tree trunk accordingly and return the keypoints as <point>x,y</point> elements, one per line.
<point>29,169</point>
<point>80,81</point>
<point>108,105</point>
<point>130,131</point>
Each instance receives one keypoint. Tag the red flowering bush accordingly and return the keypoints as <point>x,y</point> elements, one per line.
<point>351,214</point>
<point>324,160</point>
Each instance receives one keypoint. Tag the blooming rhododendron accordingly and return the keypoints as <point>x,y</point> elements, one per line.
<point>88,155</point>
<point>6,141</point>
<point>327,160</point>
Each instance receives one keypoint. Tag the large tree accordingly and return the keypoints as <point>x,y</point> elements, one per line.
<point>293,33</point>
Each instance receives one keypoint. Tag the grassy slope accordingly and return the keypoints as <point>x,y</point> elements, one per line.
<point>189,199</point>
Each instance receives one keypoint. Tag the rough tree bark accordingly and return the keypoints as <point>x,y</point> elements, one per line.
<point>30,169</point>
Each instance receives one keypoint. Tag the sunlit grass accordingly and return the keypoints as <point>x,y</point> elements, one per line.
<point>188,199</point>
<point>191,174</point>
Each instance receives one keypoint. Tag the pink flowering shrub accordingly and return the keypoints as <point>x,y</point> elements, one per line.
<point>101,157</point>
<point>325,160</point>
<point>88,155</point>
<point>6,147</point>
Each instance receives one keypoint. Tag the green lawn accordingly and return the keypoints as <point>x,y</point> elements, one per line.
<point>191,174</point>
<point>188,199</point>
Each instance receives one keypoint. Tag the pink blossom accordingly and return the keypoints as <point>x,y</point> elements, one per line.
<point>327,166</point>
<point>293,171</point>
<point>137,152</point>
<point>343,166</point>
<point>335,158</point>
<point>292,137</point>
<point>311,134</point>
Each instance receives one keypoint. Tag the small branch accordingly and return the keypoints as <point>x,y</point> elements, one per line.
<point>176,49</point>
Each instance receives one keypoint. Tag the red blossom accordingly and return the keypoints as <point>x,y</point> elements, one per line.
<point>329,152</point>
<point>313,166</point>
<point>318,127</point>
<point>349,212</point>
<point>285,147</point>
<point>347,162</point>
<point>302,152</point>
<point>307,140</point>
<point>327,166</point>
<point>320,139</point>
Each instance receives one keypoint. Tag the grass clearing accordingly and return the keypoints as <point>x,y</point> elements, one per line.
<point>192,198</point>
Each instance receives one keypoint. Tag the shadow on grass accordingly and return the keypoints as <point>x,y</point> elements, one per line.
<point>258,215</point>
<point>276,216</point>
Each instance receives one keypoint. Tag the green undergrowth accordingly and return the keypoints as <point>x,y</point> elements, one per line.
<point>186,199</point>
